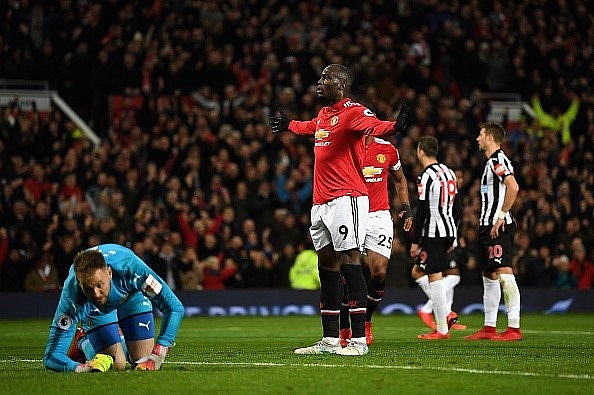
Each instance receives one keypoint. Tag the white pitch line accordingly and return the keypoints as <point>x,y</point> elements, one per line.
<point>386,367</point>
<point>585,333</point>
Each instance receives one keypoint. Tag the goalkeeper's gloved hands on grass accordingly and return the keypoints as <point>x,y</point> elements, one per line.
<point>154,360</point>
<point>99,363</point>
<point>405,118</point>
<point>279,123</point>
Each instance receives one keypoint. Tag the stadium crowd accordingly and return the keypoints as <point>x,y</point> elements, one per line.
<point>188,174</point>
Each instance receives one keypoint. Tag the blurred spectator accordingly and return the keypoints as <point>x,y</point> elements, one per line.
<point>304,272</point>
<point>37,187</point>
<point>466,257</point>
<point>257,274</point>
<point>167,262</point>
<point>564,278</point>
<point>294,189</point>
<point>214,276</point>
<point>556,121</point>
<point>285,229</point>
<point>22,255</point>
<point>4,249</point>
<point>43,277</point>
<point>209,246</point>
<point>581,268</point>
<point>282,265</point>
<point>541,271</point>
<point>190,271</point>
<point>65,247</point>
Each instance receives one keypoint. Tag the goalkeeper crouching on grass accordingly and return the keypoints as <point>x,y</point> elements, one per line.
<point>108,289</point>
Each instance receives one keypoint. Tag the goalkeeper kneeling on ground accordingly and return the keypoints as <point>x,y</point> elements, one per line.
<point>110,291</point>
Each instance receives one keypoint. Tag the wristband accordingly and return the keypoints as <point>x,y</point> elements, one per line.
<point>502,214</point>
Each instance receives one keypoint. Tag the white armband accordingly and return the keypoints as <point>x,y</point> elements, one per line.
<point>151,286</point>
<point>502,214</point>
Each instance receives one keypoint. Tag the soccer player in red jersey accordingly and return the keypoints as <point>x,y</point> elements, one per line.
<point>382,160</point>
<point>340,201</point>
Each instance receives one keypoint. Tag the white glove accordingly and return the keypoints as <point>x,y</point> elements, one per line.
<point>154,360</point>
<point>82,368</point>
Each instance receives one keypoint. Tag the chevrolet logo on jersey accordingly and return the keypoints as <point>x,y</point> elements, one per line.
<point>321,134</point>
<point>370,171</point>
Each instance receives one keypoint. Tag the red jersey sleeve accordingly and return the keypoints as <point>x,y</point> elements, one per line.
<point>364,120</point>
<point>307,128</point>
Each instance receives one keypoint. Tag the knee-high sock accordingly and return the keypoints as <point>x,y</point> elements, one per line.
<point>357,298</point>
<point>511,298</point>
<point>87,348</point>
<point>491,299</point>
<point>345,321</point>
<point>85,345</point>
<point>423,282</point>
<point>330,300</point>
<point>375,293</point>
<point>440,309</point>
<point>449,282</point>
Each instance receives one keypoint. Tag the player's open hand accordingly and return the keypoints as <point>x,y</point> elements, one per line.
<point>154,360</point>
<point>99,363</point>
<point>405,118</point>
<point>406,214</point>
<point>500,224</point>
<point>279,123</point>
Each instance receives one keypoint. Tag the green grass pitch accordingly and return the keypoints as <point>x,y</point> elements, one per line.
<point>254,355</point>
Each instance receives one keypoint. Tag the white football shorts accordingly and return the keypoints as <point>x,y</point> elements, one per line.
<point>380,233</point>
<point>342,222</point>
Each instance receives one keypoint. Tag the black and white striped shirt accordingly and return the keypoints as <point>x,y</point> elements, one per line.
<point>437,188</point>
<point>498,167</point>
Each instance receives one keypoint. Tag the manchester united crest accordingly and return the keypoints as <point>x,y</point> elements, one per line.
<point>334,120</point>
<point>381,158</point>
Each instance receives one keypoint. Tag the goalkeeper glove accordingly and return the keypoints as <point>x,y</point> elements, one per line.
<point>280,123</point>
<point>154,360</point>
<point>100,363</point>
<point>404,119</point>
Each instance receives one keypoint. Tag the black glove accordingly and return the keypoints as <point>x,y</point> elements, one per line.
<point>406,212</point>
<point>280,123</point>
<point>404,119</point>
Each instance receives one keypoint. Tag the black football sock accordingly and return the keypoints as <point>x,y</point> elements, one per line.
<point>330,301</point>
<point>366,273</point>
<point>375,293</point>
<point>357,298</point>
<point>345,322</point>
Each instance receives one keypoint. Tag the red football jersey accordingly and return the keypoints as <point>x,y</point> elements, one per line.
<point>339,147</point>
<point>380,156</point>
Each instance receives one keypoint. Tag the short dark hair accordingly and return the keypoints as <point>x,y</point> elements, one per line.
<point>494,129</point>
<point>343,73</point>
<point>88,262</point>
<point>428,144</point>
